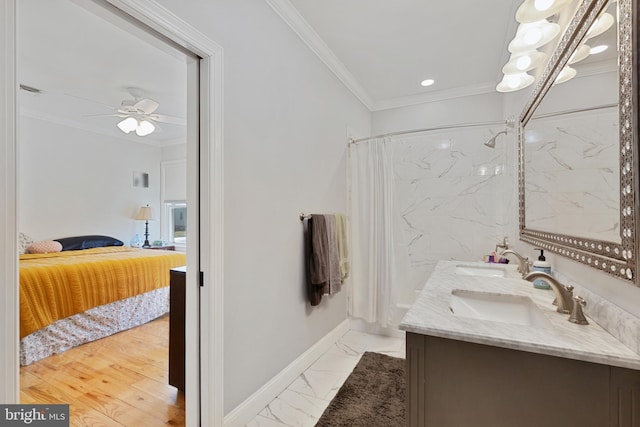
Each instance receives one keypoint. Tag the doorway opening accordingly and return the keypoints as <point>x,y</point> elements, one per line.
<point>203,141</point>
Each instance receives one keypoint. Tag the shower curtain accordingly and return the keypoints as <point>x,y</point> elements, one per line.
<point>375,226</point>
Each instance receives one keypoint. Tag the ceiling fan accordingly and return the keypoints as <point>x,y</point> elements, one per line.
<point>139,114</point>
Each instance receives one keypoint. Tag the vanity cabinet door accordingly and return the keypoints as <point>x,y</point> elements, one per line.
<point>625,397</point>
<point>454,383</point>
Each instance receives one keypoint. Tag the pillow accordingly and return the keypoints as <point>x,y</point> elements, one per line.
<point>23,243</point>
<point>44,247</point>
<point>87,242</point>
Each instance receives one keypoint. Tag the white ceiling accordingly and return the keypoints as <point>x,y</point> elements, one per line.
<point>84,65</point>
<point>391,46</point>
<point>381,50</point>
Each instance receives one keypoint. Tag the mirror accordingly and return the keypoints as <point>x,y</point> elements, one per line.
<point>576,171</point>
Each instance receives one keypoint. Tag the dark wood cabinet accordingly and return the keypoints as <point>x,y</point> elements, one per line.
<point>176,327</point>
<point>454,383</point>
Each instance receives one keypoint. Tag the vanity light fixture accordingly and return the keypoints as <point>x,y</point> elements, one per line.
<point>598,49</point>
<point>566,74</point>
<point>535,10</point>
<point>427,82</point>
<point>513,82</point>
<point>580,53</point>
<point>602,24</point>
<point>525,61</point>
<point>533,35</point>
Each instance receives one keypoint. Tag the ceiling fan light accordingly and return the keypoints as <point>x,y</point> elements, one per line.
<point>144,128</point>
<point>127,125</point>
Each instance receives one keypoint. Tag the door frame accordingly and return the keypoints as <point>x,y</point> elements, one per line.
<point>204,368</point>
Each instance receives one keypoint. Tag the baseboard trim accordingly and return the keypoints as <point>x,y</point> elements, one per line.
<point>252,406</point>
<point>373,328</point>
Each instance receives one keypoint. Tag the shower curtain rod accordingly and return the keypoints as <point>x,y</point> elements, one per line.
<point>576,110</point>
<point>406,132</point>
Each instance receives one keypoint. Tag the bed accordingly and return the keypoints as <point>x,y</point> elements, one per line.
<point>72,297</point>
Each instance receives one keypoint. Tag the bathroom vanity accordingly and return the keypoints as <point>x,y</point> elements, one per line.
<point>485,348</point>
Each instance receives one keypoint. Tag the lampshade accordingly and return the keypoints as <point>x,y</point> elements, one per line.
<point>142,127</point>
<point>513,82</point>
<point>145,127</point>
<point>128,124</point>
<point>531,36</point>
<point>145,214</point>
<point>525,61</point>
<point>602,24</point>
<point>535,10</point>
<point>581,53</point>
<point>566,74</point>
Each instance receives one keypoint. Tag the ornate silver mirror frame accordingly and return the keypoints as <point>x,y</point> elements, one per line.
<point>616,258</point>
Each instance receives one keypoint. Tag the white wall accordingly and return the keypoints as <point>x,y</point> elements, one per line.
<point>490,107</point>
<point>453,191</point>
<point>74,182</point>
<point>285,121</point>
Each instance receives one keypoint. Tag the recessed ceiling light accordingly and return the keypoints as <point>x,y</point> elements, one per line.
<point>427,82</point>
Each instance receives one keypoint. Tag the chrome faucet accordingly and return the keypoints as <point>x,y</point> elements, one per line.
<point>564,293</point>
<point>504,244</point>
<point>523,263</point>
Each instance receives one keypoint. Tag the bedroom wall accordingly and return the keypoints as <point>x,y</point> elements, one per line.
<point>285,127</point>
<point>73,182</point>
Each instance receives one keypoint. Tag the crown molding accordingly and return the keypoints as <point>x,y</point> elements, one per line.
<point>301,27</point>
<point>441,95</point>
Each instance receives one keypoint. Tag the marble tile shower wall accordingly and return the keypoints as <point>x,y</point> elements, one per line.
<point>572,174</point>
<point>455,195</point>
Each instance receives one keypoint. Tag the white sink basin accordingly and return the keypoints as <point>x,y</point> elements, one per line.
<point>481,270</point>
<point>513,309</point>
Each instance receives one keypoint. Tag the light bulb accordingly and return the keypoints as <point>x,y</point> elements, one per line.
<point>427,82</point>
<point>532,36</point>
<point>128,124</point>
<point>512,80</point>
<point>598,49</point>
<point>543,5</point>
<point>523,62</point>
<point>145,127</point>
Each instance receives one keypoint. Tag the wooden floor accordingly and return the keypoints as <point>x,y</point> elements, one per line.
<point>120,380</point>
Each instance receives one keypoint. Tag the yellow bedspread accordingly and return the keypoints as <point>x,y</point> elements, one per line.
<point>57,285</point>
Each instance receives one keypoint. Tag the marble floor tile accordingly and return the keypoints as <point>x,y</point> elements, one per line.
<point>261,421</point>
<point>320,384</point>
<point>304,401</point>
<point>295,409</point>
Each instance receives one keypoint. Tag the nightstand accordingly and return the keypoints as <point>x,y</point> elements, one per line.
<point>164,248</point>
<point>176,326</point>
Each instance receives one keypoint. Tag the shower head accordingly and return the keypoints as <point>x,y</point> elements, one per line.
<point>492,142</point>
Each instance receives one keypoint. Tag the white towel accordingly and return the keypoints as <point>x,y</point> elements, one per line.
<point>343,249</point>
<point>335,281</point>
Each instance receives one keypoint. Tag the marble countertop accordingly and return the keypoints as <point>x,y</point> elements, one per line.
<point>430,315</point>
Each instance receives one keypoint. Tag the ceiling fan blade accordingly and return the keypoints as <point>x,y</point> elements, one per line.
<point>108,115</point>
<point>147,105</point>
<point>167,119</point>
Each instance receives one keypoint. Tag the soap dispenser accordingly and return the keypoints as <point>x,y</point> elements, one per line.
<point>541,264</point>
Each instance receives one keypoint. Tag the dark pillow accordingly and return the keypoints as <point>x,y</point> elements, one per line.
<point>87,242</point>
